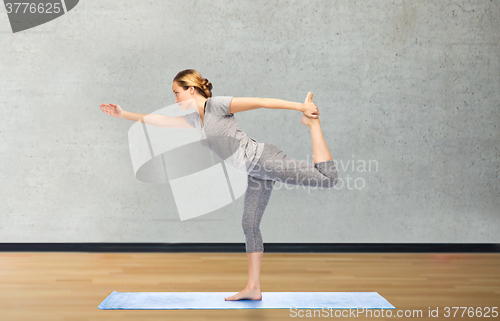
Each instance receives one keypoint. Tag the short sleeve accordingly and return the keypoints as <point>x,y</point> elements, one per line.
<point>192,119</point>
<point>220,105</point>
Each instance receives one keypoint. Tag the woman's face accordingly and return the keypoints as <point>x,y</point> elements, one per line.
<point>180,93</point>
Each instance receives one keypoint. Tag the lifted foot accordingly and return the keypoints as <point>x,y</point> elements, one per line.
<point>306,120</point>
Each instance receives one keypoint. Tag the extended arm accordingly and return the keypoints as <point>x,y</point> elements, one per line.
<point>239,104</point>
<point>150,119</point>
<point>308,108</point>
<point>157,120</point>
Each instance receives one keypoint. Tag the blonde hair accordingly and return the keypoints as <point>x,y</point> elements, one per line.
<point>191,77</point>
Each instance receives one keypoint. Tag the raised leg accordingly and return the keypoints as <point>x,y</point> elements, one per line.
<point>320,149</point>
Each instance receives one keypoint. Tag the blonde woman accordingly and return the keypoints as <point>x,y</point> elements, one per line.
<point>265,163</point>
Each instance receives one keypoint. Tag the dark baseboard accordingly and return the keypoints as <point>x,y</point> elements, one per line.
<point>268,247</point>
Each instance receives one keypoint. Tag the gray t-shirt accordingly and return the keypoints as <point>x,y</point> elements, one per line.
<point>223,135</point>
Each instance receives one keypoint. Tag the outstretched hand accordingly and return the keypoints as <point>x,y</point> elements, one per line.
<point>309,108</point>
<point>113,110</point>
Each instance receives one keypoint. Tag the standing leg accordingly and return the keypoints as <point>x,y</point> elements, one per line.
<point>257,196</point>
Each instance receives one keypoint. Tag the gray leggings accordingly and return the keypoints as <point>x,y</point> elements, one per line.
<point>273,166</point>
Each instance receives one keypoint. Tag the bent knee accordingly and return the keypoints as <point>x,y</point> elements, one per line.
<point>331,182</point>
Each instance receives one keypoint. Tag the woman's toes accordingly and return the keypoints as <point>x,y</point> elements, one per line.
<point>309,97</point>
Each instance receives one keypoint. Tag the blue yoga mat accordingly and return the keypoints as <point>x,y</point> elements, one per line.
<point>215,300</point>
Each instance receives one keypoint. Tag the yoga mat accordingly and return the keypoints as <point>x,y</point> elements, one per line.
<point>215,300</point>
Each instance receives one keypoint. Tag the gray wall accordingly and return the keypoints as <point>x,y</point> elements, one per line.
<point>411,85</point>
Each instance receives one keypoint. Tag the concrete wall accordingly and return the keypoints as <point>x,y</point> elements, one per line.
<point>412,86</point>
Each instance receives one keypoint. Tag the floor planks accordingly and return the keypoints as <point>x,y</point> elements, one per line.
<point>70,285</point>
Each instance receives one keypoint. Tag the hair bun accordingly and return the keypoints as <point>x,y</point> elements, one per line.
<point>207,83</point>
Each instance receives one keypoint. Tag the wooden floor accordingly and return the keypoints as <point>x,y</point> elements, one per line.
<point>70,286</point>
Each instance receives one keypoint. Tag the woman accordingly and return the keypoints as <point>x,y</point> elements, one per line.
<point>265,163</point>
